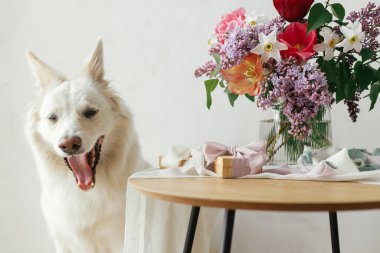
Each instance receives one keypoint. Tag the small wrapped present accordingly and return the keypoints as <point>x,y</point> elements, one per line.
<point>175,157</point>
<point>234,161</point>
<point>222,166</point>
<point>230,167</point>
<point>165,165</point>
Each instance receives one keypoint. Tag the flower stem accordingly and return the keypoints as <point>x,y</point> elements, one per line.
<point>327,4</point>
<point>272,141</point>
<point>272,154</point>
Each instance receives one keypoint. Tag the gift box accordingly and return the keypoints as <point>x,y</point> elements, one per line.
<point>176,156</point>
<point>179,163</point>
<point>235,161</point>
<point>223,166</point>
<point>232,167</point>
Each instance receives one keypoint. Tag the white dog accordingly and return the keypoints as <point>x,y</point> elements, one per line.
<point>85,147</point>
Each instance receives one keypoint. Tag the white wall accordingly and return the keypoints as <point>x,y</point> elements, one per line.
<point>151,51</point>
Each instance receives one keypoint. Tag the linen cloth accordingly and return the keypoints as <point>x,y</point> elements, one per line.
<point>154,226</point>
<point>320,165</point>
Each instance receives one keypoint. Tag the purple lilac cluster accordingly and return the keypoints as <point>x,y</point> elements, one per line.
<point>205,69</point>
<point>369,17</point>
<point>301,92</point>
<point>240,41</point>
<point>215,49</point>
<point>276,24</point>
<point>238,45</point>
<point>353,106</point>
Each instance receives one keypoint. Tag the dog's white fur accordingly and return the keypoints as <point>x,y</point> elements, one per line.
<point>80,221</point>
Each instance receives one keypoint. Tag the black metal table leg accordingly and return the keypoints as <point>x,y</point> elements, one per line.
<point>334,232</point>
<point>229,219</point>
<point>191,229</point>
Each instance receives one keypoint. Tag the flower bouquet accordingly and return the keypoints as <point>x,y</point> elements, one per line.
<point>297,66</point>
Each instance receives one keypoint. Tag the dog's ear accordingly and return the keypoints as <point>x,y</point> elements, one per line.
<point>94,66</point>
<point>44,74</point>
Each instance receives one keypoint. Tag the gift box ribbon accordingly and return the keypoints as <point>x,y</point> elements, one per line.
<point>248,159</point>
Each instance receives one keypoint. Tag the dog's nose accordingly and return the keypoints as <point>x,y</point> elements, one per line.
<point>70,145</point>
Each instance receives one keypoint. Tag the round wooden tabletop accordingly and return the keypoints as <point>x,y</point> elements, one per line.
<point>262,194</point>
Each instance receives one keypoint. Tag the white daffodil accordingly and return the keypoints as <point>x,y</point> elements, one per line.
<point>352,37</point>
<point>330,39</point>
<point>255,18</point>
<point>212,40</point>
<point>269,47</point>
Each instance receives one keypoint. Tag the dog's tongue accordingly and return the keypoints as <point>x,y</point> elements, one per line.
<point>82,171</point>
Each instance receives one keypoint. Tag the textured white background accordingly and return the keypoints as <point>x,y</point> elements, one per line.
<point>151,51</point>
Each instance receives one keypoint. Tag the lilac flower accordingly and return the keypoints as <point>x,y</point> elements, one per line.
<point>240,41</point>
<point>237,46</point>
<point>205,69</point>
<point>353,106</point>
<point>300,91</point>
<point>276,24</point>
<point>369,17</point>
<point>215,49</point>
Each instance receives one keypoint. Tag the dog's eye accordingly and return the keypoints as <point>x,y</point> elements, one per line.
<point>89,113</point>
<point>53,118</point>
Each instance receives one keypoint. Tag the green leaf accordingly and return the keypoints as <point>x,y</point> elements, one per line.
<point>339,95</point>
<point>232,98</point>
<point>330,70</point>
<point>357,64</point>
<point>366,54</point>
<point>349,89</point>
<point>215,71</point>
<point>211,84</point>
<point>340,84</point>
<point>338,11</point>
<point>252,98</point>
<point>344,82</point>
<point>329,67</point>
<point>218,65</point>
<point>217,58</point>
<point>373,94</point>
<point>210,87</point>
<point>320,61</point>
<point>221,83</point>
<point>340,22</point>
<point>363,74</point>
<point>318,17</point>
<point>375,78</point>
<point>378,74</point>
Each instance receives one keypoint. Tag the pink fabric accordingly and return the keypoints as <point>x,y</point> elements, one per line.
<point>322,169</point>
<point>373,159</point>
<point>284,170</point>
<point>248,159</point>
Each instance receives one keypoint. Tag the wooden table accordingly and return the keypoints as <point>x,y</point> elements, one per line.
<point>260,194</point>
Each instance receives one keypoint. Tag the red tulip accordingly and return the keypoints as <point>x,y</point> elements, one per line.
<point>292,10</point>
<point>300,44</point>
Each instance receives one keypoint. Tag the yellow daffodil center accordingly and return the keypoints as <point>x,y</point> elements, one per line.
<point>268,47</point>
<point>332,43</point>
<point>253,23</point>
<point>354,39</point>
<point>250,73</point>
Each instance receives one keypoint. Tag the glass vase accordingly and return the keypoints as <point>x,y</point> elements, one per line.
<point>282,147</point>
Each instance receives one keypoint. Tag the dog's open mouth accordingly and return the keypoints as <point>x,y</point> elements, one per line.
<point>83,166</point>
